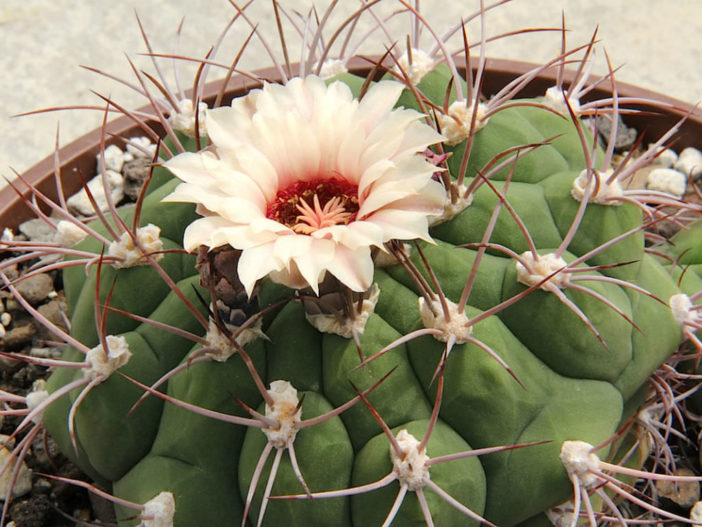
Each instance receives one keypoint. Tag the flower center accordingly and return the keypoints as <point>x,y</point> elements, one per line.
<point>307,206</point>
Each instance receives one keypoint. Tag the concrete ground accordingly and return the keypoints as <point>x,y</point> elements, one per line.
<point>44,42</point>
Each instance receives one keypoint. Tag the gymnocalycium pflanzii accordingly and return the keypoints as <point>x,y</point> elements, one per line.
<point>370,294</point>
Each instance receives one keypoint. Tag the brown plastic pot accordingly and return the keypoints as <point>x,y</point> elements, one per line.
<point>77,159</point>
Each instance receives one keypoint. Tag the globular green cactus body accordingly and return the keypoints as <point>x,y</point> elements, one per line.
<point>573,386</point>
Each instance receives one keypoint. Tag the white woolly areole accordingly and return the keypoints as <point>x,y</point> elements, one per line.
<point>182,118</point>
<point>159,511</point>
<point>561,515</point>
<point>554,99</point>
<point>332,68</point>
<point>38,395</point>
<point>453,209</point>
<point>578,460</point>
<point>681,306</point>
<point>344,326</point>
<point>101,364</point>
<point>222,347</point>
<point>410,467</point>
<point>455,124</point>
<point>538,270</point>
<point>422,64</point>
<point>667,180</point>
<point>284,412</point>
<point>606,194</point>
<point>68,234</point>
<point>129,255</point>
<point>458,328</point>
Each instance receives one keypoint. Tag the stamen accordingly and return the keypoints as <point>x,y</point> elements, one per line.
<point>333,213</point>
<point>308,206</point>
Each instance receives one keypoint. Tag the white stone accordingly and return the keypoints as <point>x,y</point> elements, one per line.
<point>23,484</point>
<point>37,396</point>
<point>159,511</point>
<point>7,235</point>
<point>606,194</point>
<point>80,203</point>
<point>696,514</point>
<point>667,180</point>
<point>68,234</point>
<point>129,255</point>
<point>455,124</point>
<point>114,158</point>
<point>666,158</point>
<point>5,318</point>
<point>141,147</point>
<point>690,162</point>
<point>104,364</point>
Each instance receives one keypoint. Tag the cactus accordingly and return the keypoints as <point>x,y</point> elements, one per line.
<point>482,304</point>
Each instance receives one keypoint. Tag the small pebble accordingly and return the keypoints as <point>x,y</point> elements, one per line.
<point>114,158</point>
<point>5,319</point>
<point>80,203</point>
<point>666,158</point>
<point>683,493</point>
<point>18,336</point>
<point>625,137</point>
<point>667,180</point>
<point>690,162</point>
<point>141,147</point>
<point>23,482</point>
<point>36,288</point>
<point>135,174</point>
<point>37,230</point>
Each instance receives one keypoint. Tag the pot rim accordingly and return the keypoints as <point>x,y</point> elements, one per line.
<point>77,159</point>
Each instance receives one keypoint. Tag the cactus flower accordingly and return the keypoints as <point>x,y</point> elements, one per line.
<point>304,179</point>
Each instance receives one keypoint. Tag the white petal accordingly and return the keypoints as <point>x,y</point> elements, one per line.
<point>353,268</point>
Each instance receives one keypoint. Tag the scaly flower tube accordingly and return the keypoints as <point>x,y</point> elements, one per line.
<point>304,179</point>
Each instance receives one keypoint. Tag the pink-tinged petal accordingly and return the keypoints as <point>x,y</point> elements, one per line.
<point>353,268</point>
<point>313,263</point>
<point>256,263</point>
<point>236,209</point>
<point>200,232</point>
<point>378,101</point>
<point>401,225</point>
<point>354,235</point>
